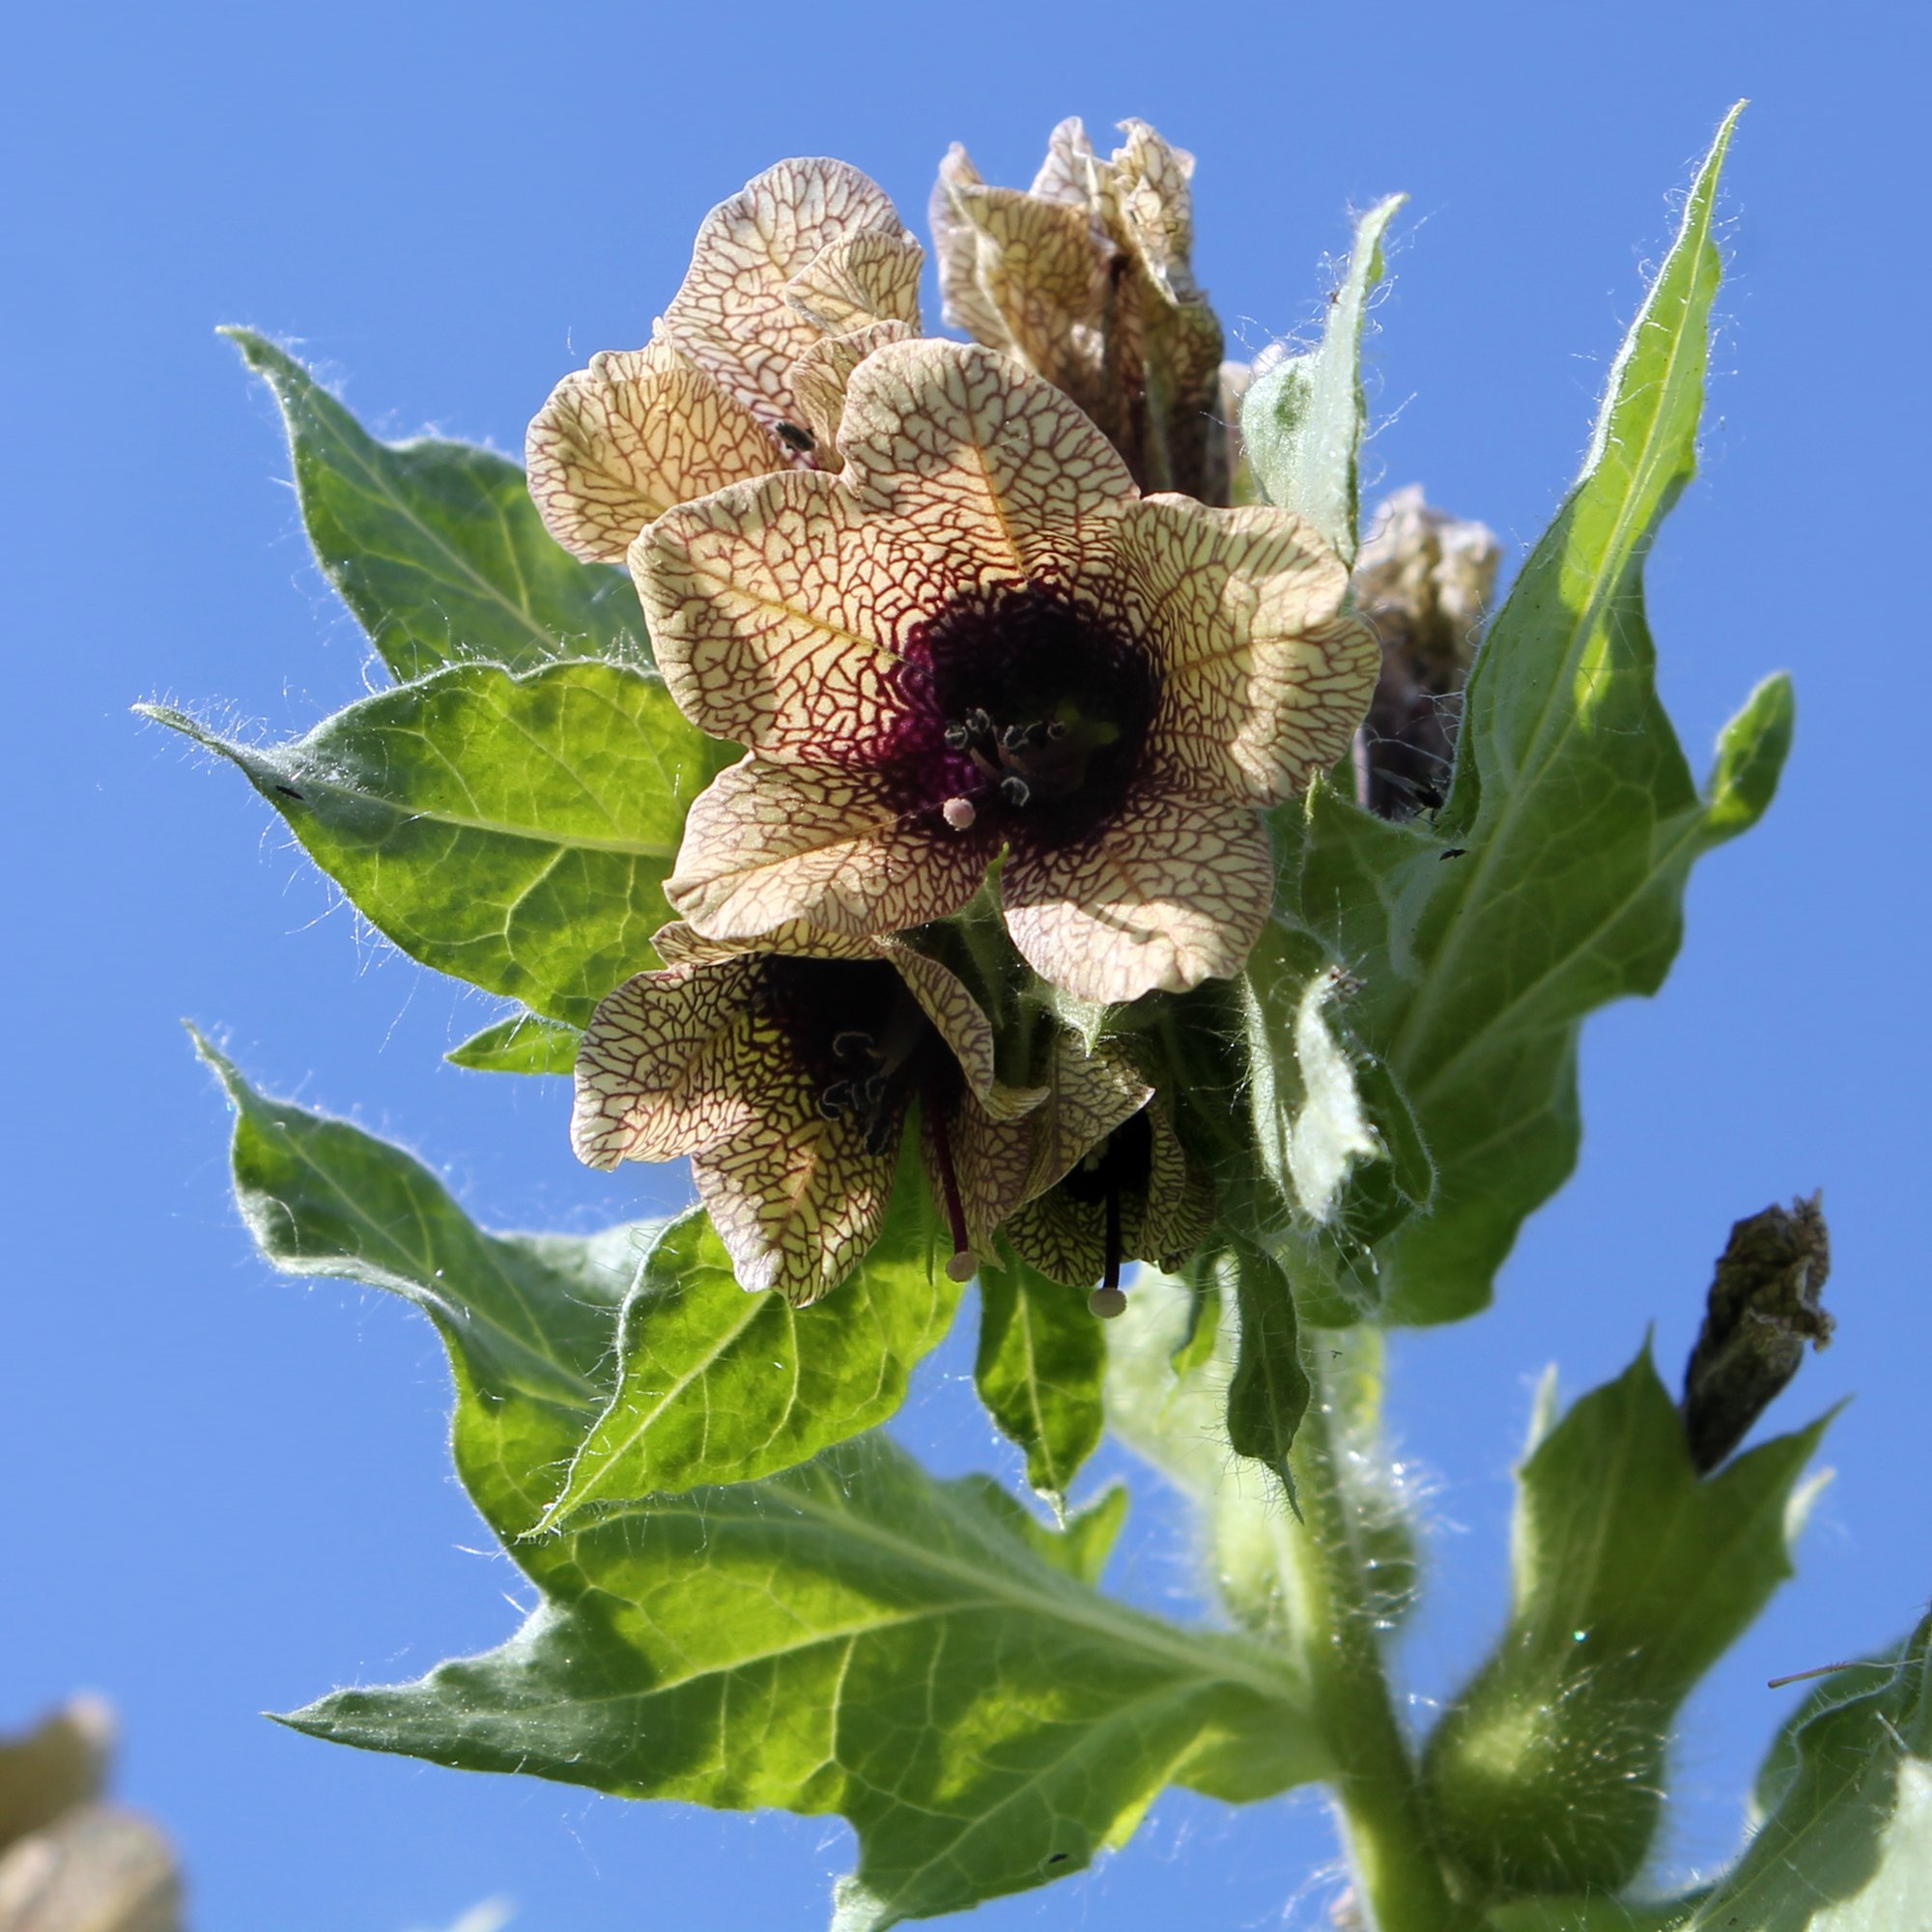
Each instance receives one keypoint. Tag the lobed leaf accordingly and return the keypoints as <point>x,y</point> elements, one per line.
<point>1848,1846</point>
<point>1551,881</point>
<point>1042,1362</point>
<point>924,1658</point>
<point>436,546</point>
<point>715,1385</point>
<point>514,830</point>
<point>1302,416</point>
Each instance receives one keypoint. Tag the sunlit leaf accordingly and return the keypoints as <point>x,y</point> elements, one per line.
<point>513,830</point>
<point>1632,1576</point>
<point>1042,1357</point>
<point>435,545</point>
<point>1551,882</point>
<point>524,1043</point>
<point>1302,416</point>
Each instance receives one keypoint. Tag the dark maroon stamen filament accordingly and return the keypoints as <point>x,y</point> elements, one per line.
<point>1112,1278</point>
<point>949,1181</point>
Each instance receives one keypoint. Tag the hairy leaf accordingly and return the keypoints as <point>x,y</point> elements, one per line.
<point>1847,1847</point>
<point>1632,1576</point>
<point>1042,1357</point>
<point>435,545</point>
<point>524,1043</point>
<point>716,1385</point>
<point>924,1658</point>
<point>513,830</point>
<point>1552,880</point>
<point>1302,416</point>
<point>1268,1394</point>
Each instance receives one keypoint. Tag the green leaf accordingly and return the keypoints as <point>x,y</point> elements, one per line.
<point>1042,1359</point>
<point>716,1385</point>
<point>527,1317</point>
<point>513,830</point>
<point>1302,417</point>
<point>1632,1576</point>
<point>1552,880</point>
<point>524,1043</point>
<point>1847,1847</point>
<point>924,1658</point>
<point>436,546</point>
<point>1585,1914</point>
<point>1267,1395</point>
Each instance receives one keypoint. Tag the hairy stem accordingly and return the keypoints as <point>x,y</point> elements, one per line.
<point>1397,1874</point>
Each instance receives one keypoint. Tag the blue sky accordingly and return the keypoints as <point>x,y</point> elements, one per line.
<point>225,1491</point>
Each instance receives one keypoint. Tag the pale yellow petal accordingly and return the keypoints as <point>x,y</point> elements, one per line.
<point>796,1199</point>
<point>1265,678</point>
<point>766,844</point>
<point>1043,272</point>
<point>1068,172</point>
<point>959,1021</point>
<point>819,378</point>
<point>637,431</point>
<point>1174,1217</point>
<point>998,471</point>
<point>1174,892</point>
<point>864,278</point>
<point>774,609</point>
<point>1155,208</point>
<point>956,244</point>
<point>988,1158</point>
<point>662,1069</point>
<point>1088,1095</point>
<point>730,316</point>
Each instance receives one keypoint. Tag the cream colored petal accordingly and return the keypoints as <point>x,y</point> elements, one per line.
<point>989,1164</point>
<point>861,280</point>
<point>957,1017</point>
<point>819,378</point>
<point>678,945</point>
<point>766,844</point>
<point>661,1071</point>
<point>955,246</point>
<point>1171,1218</point>
<point>1173,893</point>
<point>730,316</point>
<point>796,1199</point>
<point>1088,1095</point>
<point>1155,208</point>
<point>620,443</point>
<point>996,471</point>
<point>1063,1238</point>
<point>774,609</point>
<point>1264,676</point>
<point>1043,272</point>
<point>1068,174</point>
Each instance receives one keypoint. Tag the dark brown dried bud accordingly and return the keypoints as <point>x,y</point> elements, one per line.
<point>1424,581</point>
<point>1763,1309</point>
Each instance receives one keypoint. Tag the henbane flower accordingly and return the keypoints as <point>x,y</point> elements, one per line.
<point>786,1071</point>
<point>790,282</point>
<point>978,638</point>
<point>1087,278</point>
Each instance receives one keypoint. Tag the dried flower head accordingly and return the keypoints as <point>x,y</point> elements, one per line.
<point>786,1070</point>
<point>790,282</point>
<point>1086,278</point>
<point>1424,581</point>
<point>978,638</point>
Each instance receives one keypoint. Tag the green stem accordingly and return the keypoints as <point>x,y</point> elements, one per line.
<point>1397,1872</point>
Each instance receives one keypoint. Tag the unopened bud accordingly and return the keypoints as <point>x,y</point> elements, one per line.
<point>1763,1308</point>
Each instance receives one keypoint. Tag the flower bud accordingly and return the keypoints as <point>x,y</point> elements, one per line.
<point>1763,1308</point>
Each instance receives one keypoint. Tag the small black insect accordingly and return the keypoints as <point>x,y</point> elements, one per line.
<point>289,791</point>
<point>794,437</point>
<point>1058,1858</point>
<point>1453,852</point>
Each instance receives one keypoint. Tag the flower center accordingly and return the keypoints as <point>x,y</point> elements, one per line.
<point>870,1050</point>
<point>1027,717</point>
